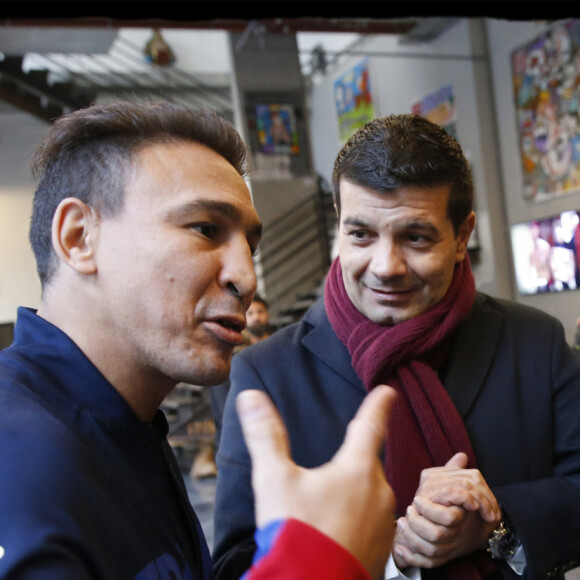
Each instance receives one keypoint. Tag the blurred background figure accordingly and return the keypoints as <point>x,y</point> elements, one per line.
<point>258,317</point>
<point>257,329</point>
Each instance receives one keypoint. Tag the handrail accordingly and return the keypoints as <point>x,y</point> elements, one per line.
<point>281,248</point>
<point>275,224</point>
<point>295,250</point>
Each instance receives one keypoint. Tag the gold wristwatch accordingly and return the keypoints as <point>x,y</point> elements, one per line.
<point>503,541</point>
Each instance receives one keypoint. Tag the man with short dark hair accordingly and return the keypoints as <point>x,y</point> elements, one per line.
<point>484,441</point>
<point>143,232</point>
<point>258,316</point>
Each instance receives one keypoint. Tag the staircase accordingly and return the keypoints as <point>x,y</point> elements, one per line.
<point>34,93</point>
<point>48,85</point>
<point>295,256</point>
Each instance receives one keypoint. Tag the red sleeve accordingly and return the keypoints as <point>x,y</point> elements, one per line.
<point>301,551</point>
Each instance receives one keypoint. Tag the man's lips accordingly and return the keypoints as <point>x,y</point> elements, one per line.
<point>391,294</point>
<point>227,328</point>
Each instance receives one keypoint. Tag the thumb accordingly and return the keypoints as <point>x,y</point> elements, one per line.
<point>458,460</point>
<point>263,430</point>
<point>367,431</point>
<point>267,442</point>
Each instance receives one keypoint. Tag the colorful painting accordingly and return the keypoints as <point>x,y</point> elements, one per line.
<point>353,101</point>
<point>546,83</point>
<point>439,107</point>
<point>276,126</point>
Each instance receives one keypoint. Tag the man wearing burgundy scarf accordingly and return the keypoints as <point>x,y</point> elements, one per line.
<point>483,450</point>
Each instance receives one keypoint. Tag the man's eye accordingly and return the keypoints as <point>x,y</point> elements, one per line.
<point>359,235</point>
<point>419,239</point>
<point>207,230</point>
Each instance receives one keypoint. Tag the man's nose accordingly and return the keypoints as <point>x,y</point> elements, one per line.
<point>237,273</point>
<point>388,261</point>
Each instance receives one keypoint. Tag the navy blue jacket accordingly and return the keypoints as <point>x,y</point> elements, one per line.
<point>511,375</point>
<point>87,490</point>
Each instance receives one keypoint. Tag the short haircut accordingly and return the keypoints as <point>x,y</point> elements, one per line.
<point>258,298</point>
<point>90,154</point>
<point>406,151</point>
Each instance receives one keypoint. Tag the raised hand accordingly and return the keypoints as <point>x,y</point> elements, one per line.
<point>348,499</point>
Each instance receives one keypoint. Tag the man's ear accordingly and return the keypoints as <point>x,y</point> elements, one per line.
<point>463,235</point>
<point>75,228</point>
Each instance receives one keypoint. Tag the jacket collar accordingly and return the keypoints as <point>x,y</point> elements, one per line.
<point>470,356</point>
<point>70,378</point>
<point>322,341</point>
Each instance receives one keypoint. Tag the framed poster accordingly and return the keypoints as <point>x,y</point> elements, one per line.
<point>276,128</point>
<point>439,107</point>
<point>546,82</point>
<point>352,99</point>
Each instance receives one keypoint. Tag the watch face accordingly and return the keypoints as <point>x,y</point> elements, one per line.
<point>502,543</point>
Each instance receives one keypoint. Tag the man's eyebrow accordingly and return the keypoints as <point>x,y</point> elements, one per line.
<point>421,225</point>
<point>224,208</point>
<point>355,221</point>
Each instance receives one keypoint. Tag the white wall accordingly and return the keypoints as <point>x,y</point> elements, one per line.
<point>400,75</point>
<point>19,285</point>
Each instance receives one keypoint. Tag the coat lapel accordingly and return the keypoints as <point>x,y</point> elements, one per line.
<point>471,354</point>
<point>465,373</point>
<point>322,341</point>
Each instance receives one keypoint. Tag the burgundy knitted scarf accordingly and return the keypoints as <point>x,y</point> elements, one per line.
<point>425,428</point>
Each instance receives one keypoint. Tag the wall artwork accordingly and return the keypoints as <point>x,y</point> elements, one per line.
<point>546,81</point>
<point>439,107</point>
<point>353,101</point>
<point>276,128</point>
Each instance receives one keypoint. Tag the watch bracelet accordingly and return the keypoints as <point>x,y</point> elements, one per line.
<point>503,541</point>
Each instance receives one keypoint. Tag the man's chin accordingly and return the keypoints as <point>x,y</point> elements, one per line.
<point>257,331</point>
<point>390,317</point>
<point>394,316</point>
<point>209,376</point>
<point>219,375</point>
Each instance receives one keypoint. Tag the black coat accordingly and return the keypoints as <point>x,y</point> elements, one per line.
<point>511,375</point>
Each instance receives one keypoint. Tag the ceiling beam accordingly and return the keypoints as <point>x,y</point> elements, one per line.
<point>271,25</point>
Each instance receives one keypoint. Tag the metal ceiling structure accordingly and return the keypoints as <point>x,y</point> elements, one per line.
<point>73,65</point>
<point>272,25</point>
<point>48,84</point>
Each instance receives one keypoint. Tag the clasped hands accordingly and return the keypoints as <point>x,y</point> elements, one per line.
<point>452,514</point>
